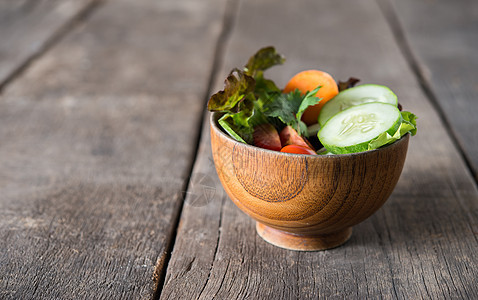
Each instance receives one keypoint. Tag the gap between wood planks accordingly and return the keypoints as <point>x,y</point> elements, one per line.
<point>56,36</point>
<point>398,32</point>
<point>230,15</point>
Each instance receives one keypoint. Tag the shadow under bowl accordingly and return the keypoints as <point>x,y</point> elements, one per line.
<point>305,202</point>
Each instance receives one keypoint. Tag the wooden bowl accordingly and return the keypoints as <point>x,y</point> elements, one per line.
<point>305,202</point>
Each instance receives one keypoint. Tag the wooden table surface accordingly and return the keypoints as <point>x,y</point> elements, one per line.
<point>107,185</point>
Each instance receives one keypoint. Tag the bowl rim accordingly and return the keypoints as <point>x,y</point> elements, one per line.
<point>216,115</point>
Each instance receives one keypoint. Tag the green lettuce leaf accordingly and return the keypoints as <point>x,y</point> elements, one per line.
<point>265,88</point>
<point>245,94</point>
<point>227,123</point>
<point>410,119</point>
<point>241,125</point>
<point>237,87</point>
<point>409,124</point>
<point>264,59</point>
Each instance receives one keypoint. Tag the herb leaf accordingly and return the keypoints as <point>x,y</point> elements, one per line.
<point>284,107</point>
<point>289,108</point>
<point>309,100</point>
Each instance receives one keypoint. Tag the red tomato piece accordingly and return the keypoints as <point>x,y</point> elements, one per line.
<point>289,136</point>
<point>298,150</point>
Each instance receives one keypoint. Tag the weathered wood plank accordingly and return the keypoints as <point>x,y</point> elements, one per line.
<point>421,244</point>
<point>97,141</point>
<point>195,248</point>
<point>27,27</point>
<point>443,37</point>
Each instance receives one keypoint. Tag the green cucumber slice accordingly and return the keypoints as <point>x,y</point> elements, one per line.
<point>313,129</point>
<point>351,130</point>
<point>365,93</point>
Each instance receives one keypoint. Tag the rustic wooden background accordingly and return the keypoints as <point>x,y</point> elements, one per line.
<point>105,155</point>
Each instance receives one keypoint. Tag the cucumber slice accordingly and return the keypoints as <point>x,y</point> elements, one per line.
<point>313,129</point>
<point>352,129</point>
<point>354,96</point>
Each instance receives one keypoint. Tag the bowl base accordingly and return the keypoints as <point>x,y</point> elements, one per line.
<point>303,242</point>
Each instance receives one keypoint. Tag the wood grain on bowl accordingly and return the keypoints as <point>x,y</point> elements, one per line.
<point>306,202</point>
